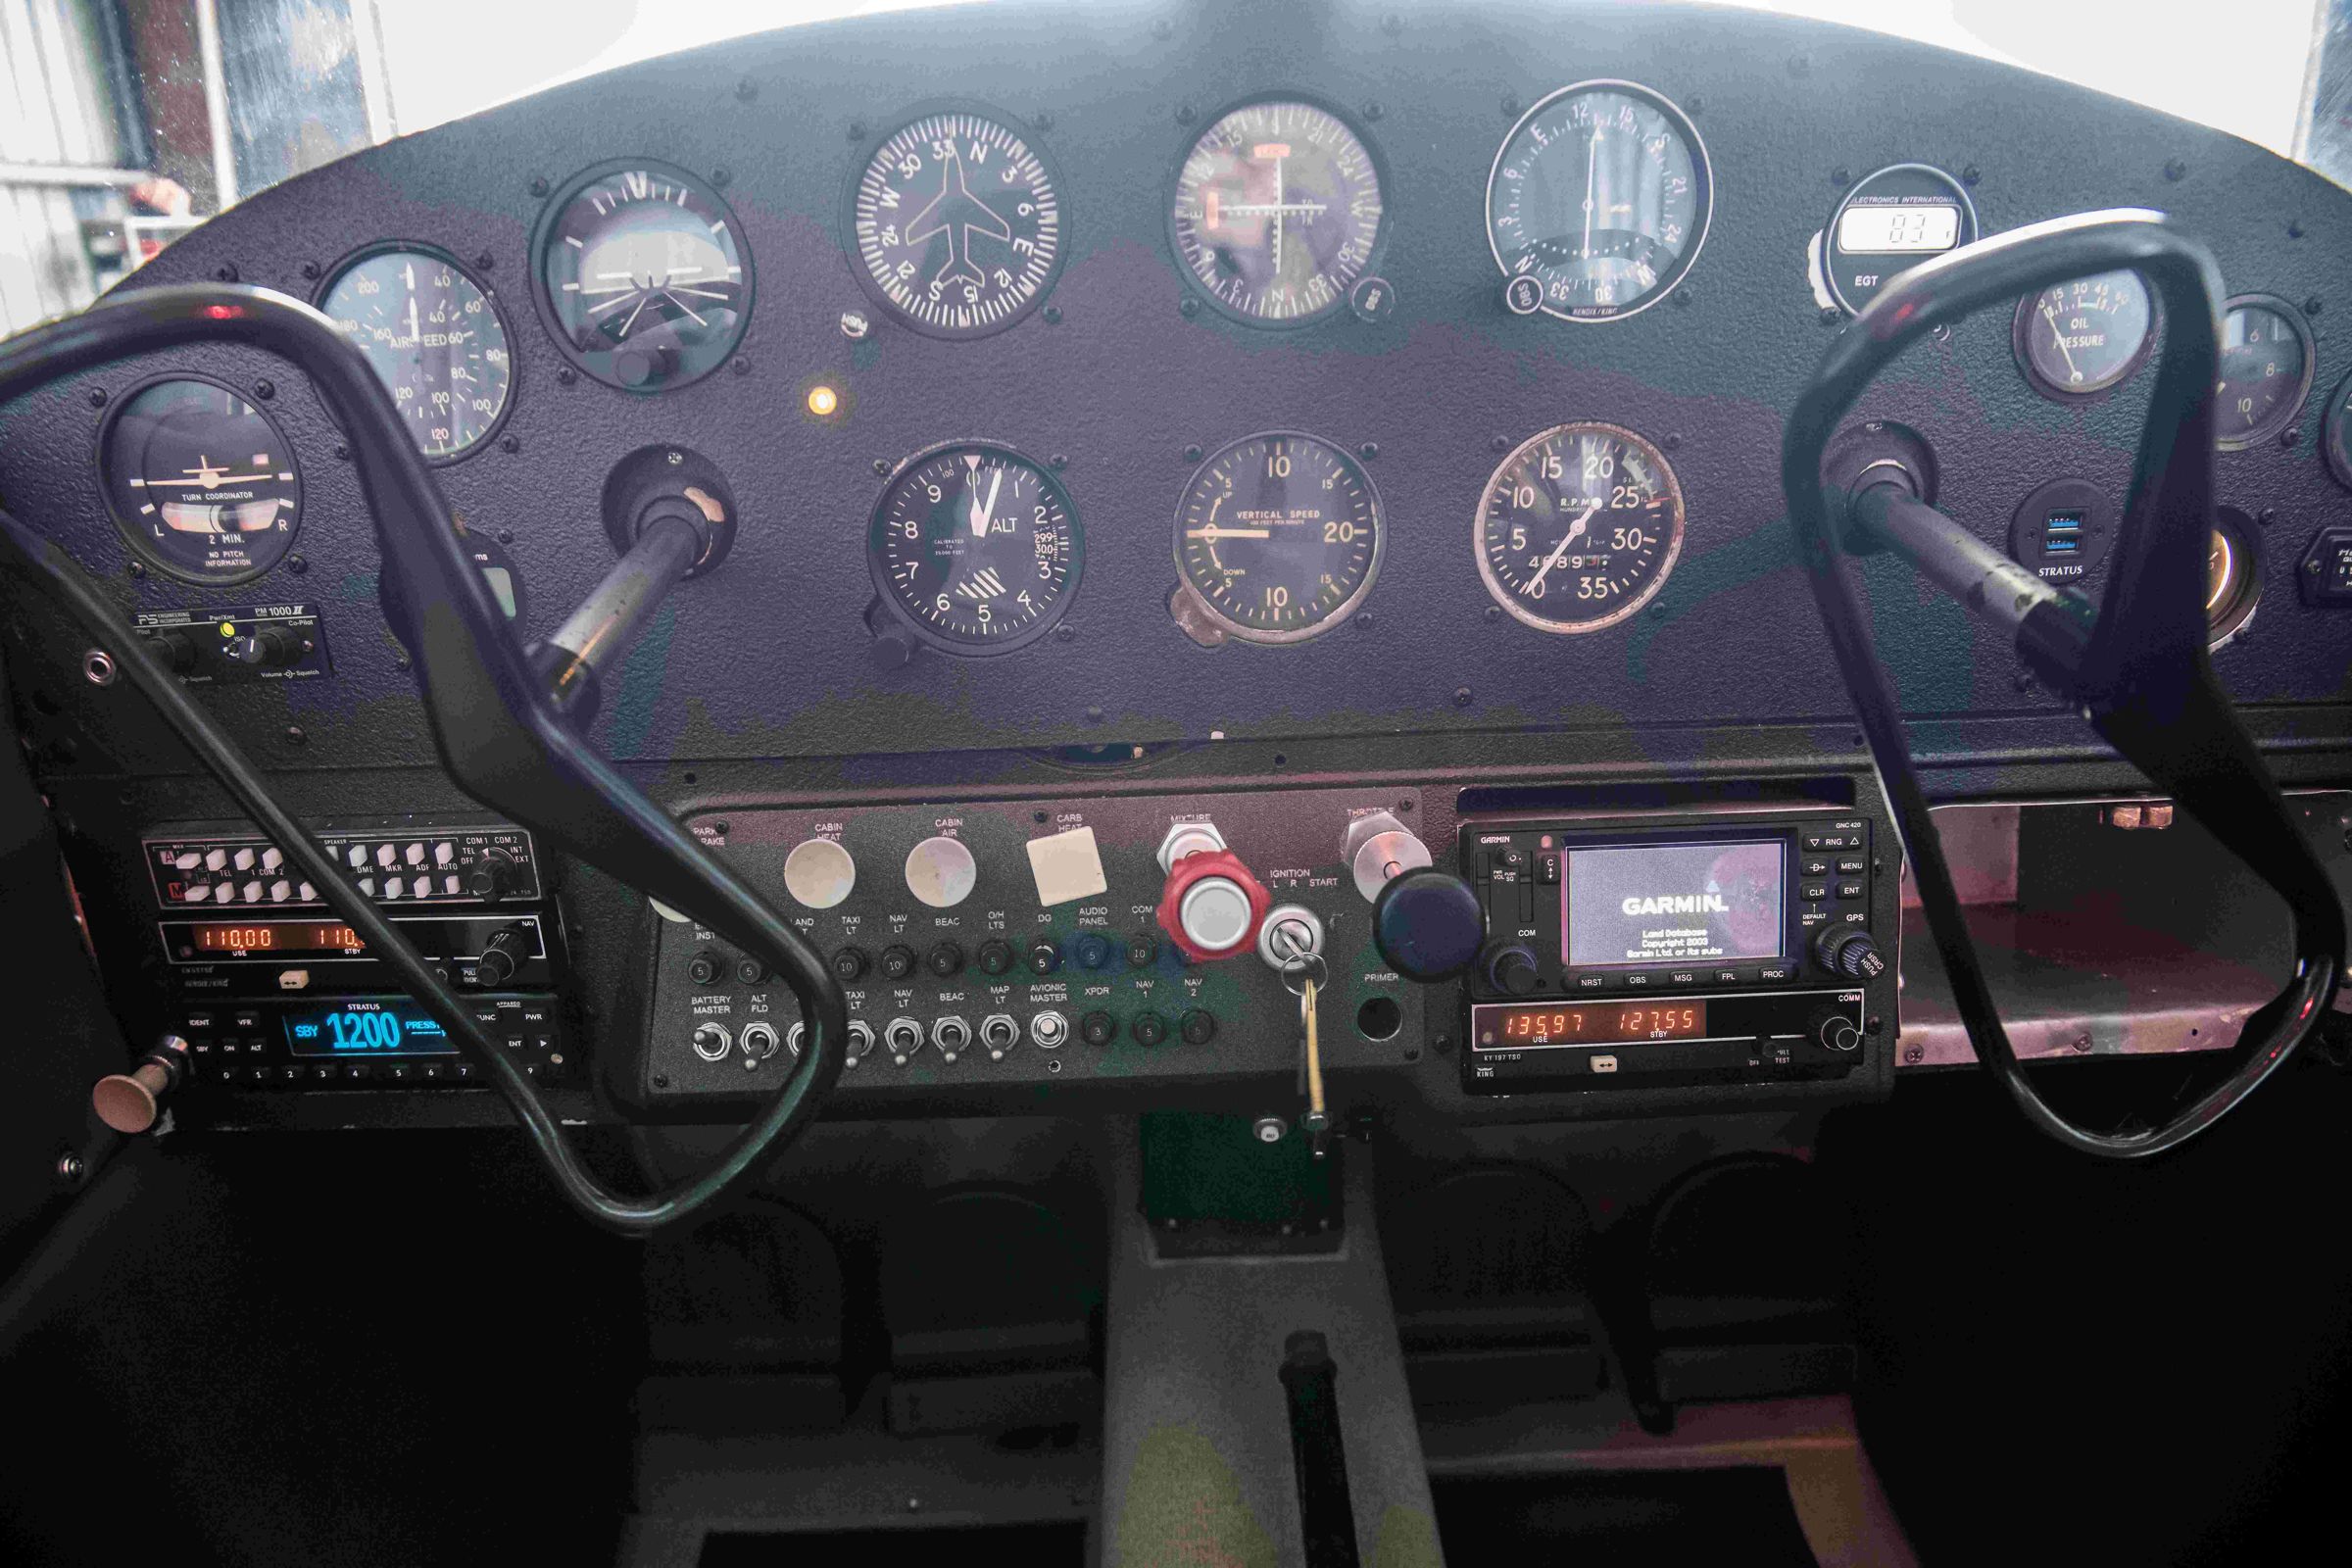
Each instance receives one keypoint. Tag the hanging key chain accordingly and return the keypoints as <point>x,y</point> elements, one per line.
<point>1306,975</point>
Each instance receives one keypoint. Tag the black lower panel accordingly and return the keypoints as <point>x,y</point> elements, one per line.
<point>389,1350</point>
<point>2148,1361</point>
<point>1740,1516</point>
<point>1042,1545</point>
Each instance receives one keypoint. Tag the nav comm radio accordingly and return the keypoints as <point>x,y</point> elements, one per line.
<point>1725,947</point>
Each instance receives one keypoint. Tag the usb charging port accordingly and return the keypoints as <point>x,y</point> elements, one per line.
<point>2061,544</point>
<point>2064,522</point>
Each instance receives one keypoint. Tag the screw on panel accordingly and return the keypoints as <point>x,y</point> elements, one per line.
<point>483,261</point>
<point>1063,634</point>
<point>97,397</point>
<point>1364,620</point>
<point>1192,453</point>
<point>721,177</point>
<point>2314,306</point>
<point>1094,715</point>
<point>1373,110</point>
<point>1052,315</point>
<point>297,565</point>
<point>1186,114</point>
<point>1510,105</point>
<point>2174,170</point>
<point>539,185</point>
<point>1270,1129</point>
<point>566,376</point>
<point>1187,307</point>
<point>1841,177</point>
<point>1059,460</point>
<point>741,365</point>
<point>1915,1055</point>
<point>225,273</point>
<point>309,272</point>
<point>296,735</point>
<point>2290,436</point>
<point>69,1168</point>
<point>264,390</point>
<point>1461,697</point>
<point>137,571</point>
<point>882,467</point>
<point>1830,315</point>
<point>746,90</point>
<point>1673,441</point>
<point>510,444</point>
<point>1042,120</point>
<point>2295,229</point>
<point>1970,174</point>
<point>1682,295</point>
<point>1369,450</point>
<point>856,326</point>
<point>1494,612</point>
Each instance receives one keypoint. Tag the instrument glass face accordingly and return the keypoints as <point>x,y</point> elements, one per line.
<point>1279,536</point>
<point>957,226</point>
<point>2086,336</point>
<point>1278,212</point>
<point>202,483</point>
<point>433,337</point>
<point>2266,371</point>
<point>644,276</point>
<point>976,548</point>
<point>1602,196</point>
<point>1580,527</point>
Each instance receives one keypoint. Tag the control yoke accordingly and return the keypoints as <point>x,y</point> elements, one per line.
<point>2136,666</point>
<point>506,721</point>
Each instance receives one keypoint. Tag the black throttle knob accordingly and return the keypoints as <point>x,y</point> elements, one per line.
<point>1428,924</point>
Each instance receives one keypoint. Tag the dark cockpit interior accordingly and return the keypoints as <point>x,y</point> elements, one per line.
<point>1170,781</point>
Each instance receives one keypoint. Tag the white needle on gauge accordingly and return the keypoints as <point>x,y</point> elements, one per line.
<point>416,332</point>
<point>1591,162</point>
<point>2058,337</point>
<point>982,508</point>
<point>1575,531</point>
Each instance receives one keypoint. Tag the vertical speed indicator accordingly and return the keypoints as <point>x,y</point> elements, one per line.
<point>1279,536</point>
<point>1580,527</point>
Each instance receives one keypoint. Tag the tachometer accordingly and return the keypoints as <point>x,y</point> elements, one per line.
<point>202,481</point>
<point>1599,198</point>
<point>433,337</point>
<point>2266,371</point>
<point>975,548</point>
<point>1279,536</point>
<point>2083,337</point>
<point>1578,528</point>
<point>1278,210</point>
<point>957,225</point>
<point>644,276</point>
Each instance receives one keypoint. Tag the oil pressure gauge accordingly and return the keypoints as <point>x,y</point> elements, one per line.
<point>2086,336</point>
